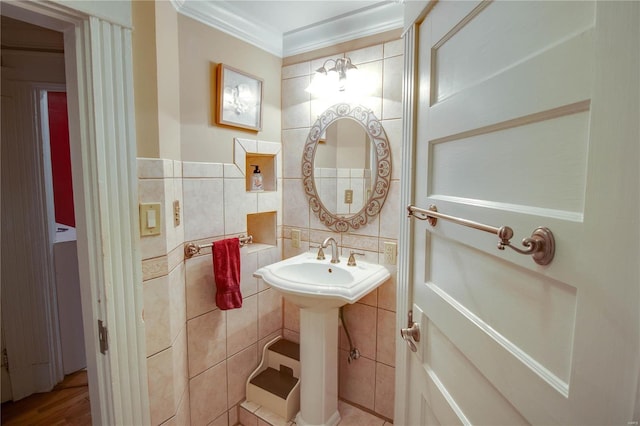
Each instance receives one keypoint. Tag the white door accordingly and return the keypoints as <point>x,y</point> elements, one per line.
<point>527,116</point>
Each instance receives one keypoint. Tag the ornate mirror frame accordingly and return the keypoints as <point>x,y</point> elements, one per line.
<point>382,151</point>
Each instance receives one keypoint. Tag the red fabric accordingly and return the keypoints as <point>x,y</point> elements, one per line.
<point>60,158</point>
<point>226,271</point>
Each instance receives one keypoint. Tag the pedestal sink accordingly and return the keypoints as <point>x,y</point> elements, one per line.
<point>319,288</point>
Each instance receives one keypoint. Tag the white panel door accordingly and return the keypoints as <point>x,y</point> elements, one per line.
<point>527,116</point>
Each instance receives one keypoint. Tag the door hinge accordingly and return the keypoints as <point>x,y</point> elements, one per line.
<point>103,336</point>
<point>5,359</point>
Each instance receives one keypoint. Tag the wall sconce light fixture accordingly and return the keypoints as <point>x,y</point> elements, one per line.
<point>332,76</point>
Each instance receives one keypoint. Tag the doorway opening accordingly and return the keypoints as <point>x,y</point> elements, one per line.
<point>36,141</point>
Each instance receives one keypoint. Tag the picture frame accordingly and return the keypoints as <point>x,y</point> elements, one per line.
<point>238,99</point>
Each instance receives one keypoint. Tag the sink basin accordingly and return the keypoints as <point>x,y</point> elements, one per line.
<point>319,288</point>
<point>320,284</point>
<point>313,273</point>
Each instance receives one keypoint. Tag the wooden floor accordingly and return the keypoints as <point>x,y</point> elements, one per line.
<point>66,404</point>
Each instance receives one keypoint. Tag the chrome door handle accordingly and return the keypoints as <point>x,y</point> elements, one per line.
<point>411,334</point>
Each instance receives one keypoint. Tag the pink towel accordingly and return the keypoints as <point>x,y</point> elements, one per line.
<point>226,271</point>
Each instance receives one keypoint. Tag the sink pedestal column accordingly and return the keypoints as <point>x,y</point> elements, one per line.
<point>319,368</point>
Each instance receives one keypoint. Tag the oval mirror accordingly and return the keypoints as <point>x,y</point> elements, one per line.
<point>346,167</point>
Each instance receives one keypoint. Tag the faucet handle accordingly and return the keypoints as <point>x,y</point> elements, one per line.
<point>320,255</point>
<point>352,258</point>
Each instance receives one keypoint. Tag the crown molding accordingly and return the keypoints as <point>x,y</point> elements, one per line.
<point>362,23</point>
<point>365,22</point>
<point>220,15</point>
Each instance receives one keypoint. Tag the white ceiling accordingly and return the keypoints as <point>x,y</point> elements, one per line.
<point>287,16</point>
<point>290,27</point>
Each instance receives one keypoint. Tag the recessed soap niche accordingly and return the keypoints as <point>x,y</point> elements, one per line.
<point>267,165</point>
<point>262,226</point>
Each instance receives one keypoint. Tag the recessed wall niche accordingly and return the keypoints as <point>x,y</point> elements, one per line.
<point>266,155</point>
<point>266,165</point>
<point>263,227</point>
<point>262,223</point>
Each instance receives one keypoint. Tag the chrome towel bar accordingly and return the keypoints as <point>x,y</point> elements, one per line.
<point>541,244</point>
<point>191,249</point>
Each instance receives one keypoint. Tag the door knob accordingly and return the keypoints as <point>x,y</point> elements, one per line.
<point>411,334</point>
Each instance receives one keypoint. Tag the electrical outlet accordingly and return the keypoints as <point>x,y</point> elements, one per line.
<point>390,253</point>
<point>295,238</point>
<point>348,196</point>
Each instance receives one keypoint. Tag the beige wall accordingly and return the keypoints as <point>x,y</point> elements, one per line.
<point>145,79</point>
<point>201,49</point>
<point>169,121</point>
<point>156,79</point>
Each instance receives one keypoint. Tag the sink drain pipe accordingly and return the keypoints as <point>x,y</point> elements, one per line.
<point>354,353</point>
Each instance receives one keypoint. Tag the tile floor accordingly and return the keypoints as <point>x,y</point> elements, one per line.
<point>252,414</point>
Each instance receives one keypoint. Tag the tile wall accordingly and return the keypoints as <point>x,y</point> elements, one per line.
<point>369,381</point>
<point>199,356</point>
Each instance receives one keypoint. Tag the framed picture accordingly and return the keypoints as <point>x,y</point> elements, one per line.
<point>239,99</point>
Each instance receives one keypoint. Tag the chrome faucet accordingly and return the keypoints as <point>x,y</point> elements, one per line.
<point>334,249</point>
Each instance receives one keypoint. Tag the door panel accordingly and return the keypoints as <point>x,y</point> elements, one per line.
<point>523,309</point>
<point>470,54</point>
<point>476,393</point>
<point>519,155</point>
<point>514,99</point>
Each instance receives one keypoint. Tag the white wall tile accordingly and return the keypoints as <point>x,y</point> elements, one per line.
<point>269,201</point>
<point>177,300</point>
<point>200,284</point>
<point>232,171</point>
<point>208,398</point>
<point>161,386</point>
<point>153,168</point>
<point>180,366</point>
<point>389,224</point>
<point>392,88</point>
<point>248,265</point>
<point>296,106</point>
<point>206,336</point>
<point>242,325</point>
<point>237,204</point>
<point>296,70</point>
<point>192,169</point>
<point>367,54</point>
<point>295,205</point>
<point>157,314</point>
<point>177,168</point>
<point>293,141</point>
<point>239,367</point>
<point>203,208</point>
<point>394,48</point>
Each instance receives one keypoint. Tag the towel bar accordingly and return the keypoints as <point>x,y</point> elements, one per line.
<point>191,249</point>
<point>541,244</point>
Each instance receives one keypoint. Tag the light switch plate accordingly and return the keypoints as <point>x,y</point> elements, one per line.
<point>149,219</point>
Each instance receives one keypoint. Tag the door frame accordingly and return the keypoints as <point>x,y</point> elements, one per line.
<point>99,77</point>
<point>403,298</point>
